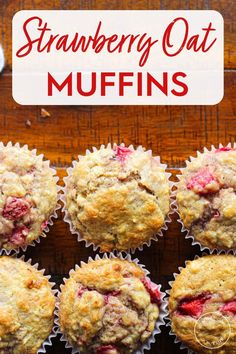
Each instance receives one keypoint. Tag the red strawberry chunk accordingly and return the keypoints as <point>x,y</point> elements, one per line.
<point>44,224</point>
<point>107,349</point>
<point>122,152</point>
<point>229,307</point>
<point>81,290</point>
<point>201,182</point>
<point>193,306</point>
<point>226,148</point>
<point>15,208</point>
<point>112,293</point>
<point>19,235</point>
<point>153,291</point>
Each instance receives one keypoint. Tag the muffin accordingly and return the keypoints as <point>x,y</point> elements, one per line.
<point>206,198</point>
<point>26,307</point>
<point>108,306</point>
<point>28,196</point>
<point>117,198</point>
<point>202,305</point>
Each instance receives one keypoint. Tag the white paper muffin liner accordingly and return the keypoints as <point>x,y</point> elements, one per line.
<point>53,334</point>
<point>2,60</point>
<point>52,216</point>
<point>175,205</point>
<point>74,231</point>
<point>168,324</point>
<point>162,308</point>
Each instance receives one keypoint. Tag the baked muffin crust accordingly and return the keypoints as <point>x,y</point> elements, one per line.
<point>26,307</point>
<point>206,198</point>
<point>108,306</point>
<point>28,196</point>
<point>118,198</point>
<point>202,304</point>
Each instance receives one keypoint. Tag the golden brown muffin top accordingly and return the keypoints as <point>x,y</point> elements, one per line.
<point>206,198</point>
<point>28,196</point>
<point>118,198</point>
<point>26,307</point>
<point>202,304</point>
<point>108,304</point>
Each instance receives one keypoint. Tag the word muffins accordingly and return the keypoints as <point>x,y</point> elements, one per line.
<point>206,198</point>
<point>202,304</point>
<point>109,306</point>
<point>27,306</point>
<point>117,198</point>
<point>28,196</point>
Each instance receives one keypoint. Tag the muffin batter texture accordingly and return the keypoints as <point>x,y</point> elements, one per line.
<point>206,198</point>
<point>202,305</point>
<point>28,196</point>
<point>26,307</point>
<point>108,306</point>
<point>118,198</point>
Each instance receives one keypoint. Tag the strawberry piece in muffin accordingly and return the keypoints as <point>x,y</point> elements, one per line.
<point>44,224</point>
<point>224,149</point>
<point>109,294</point>
<point>122,152</point>
<point>107,349</point>
<point>15,208</point>
<point>19,235</point>
<point>193,306</point>
<point>203,182</point>
<point>154,293</point>
<point>81,291</point>
<point>229,307</point>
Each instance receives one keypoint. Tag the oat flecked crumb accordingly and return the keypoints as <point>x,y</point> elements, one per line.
<point>118,198</point>
<point>108,306</point>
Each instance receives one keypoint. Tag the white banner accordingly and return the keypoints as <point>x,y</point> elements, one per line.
<point>118,57</point>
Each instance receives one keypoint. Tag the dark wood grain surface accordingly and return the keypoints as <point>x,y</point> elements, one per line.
<point>170,131</point>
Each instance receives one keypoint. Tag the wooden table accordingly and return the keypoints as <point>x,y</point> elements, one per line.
<point>174,132</point>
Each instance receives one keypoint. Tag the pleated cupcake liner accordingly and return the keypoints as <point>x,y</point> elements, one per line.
<point>189,235</point>
<point>168,319</point>
<point>53,334</point>
<point>54,215</point>
<point>80,238</point>
<point>162,309</point>
<point>2,59</point>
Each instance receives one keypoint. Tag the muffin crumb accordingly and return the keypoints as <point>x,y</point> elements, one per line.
<point>106,309</point>
<point>118,198</point>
